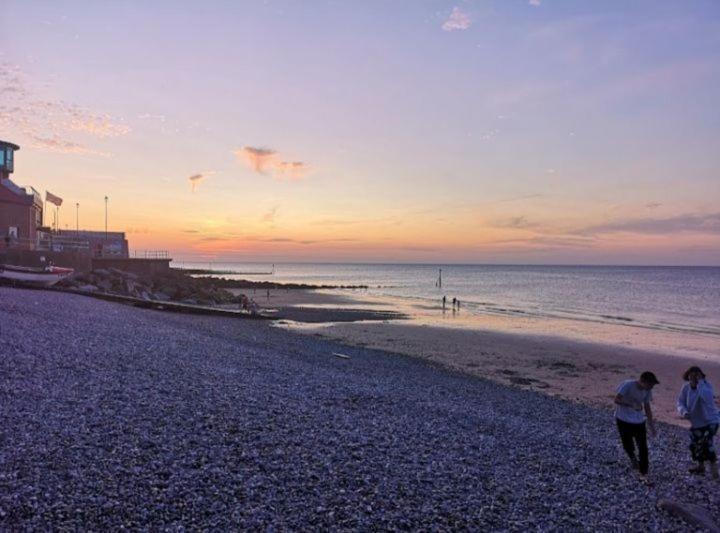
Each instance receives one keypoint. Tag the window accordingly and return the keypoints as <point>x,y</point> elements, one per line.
<point>2,157</point>
<point>9,157</point>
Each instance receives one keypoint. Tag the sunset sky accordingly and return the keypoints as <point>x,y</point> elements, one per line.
<point>506,131</point>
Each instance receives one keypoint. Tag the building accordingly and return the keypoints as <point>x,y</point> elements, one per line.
<point>24,241</point>
<point>21,208</point>
<point>100,243</point>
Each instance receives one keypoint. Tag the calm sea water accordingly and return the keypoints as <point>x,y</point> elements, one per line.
<point>669,298</point>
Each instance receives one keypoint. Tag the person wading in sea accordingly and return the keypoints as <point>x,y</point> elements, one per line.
<point>696,403</point>
<point>633,397</point>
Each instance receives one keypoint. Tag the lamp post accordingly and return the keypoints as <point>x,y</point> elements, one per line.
<point>77,219</point>
<point>106,207</point>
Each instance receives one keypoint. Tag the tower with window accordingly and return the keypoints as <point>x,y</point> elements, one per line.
<point>7,159</point>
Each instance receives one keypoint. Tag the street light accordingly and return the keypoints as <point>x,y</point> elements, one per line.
<point>77,219</point>
<point>106,207</point>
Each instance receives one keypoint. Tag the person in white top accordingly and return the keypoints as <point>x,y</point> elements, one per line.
<point>632,408</point>
<point>696,403</point>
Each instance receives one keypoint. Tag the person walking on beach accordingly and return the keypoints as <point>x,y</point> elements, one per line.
<point>444,302</point>
<point>633,397</point>
<point>696,403</point>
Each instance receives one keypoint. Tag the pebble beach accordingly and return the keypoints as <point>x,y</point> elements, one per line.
<point>116,417</point>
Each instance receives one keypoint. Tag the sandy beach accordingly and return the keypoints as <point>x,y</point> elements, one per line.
<point>115,416</point>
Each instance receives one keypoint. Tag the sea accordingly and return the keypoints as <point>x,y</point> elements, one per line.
<point>672,299</point>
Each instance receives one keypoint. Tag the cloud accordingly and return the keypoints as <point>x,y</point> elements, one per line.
<point>291,170</point>
<point>522,197</point>
<point>519,222</point>
<point>695,223</point>
<point>196,179</point>
<point>266,160</point>
<point>63,146</point>
<point>48,123</point>
<point>257,159</point>
<point>269,217</point>
<point>458,20</point>
<point>149,116</point>
<point>99,125</point>
<point>535,3</point>
<point>653,205</point>
<point>548,242</point>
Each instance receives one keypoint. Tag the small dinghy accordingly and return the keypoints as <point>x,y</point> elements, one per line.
<point>38,276</point>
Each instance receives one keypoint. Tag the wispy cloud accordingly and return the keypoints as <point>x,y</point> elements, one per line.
<point>292,170</point>
<point>535,3</point>
<point>653,205</point>
<point>258,159</point>
<point>269,216</point>
<point>49,123</point>
<point>518,222</point>
<point>101,125</point>
<point>695,223</point>
<point>62,146</point>
<point>198,178</point>
<point>458,20</point>
<point>268,161</point>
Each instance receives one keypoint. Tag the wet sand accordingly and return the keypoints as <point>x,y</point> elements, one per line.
<point>313,306</point>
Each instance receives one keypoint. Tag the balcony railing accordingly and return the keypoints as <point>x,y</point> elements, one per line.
<point>59,243</point>
<point>151,254</point>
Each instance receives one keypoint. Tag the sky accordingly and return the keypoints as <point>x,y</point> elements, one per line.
<point>474,131</point>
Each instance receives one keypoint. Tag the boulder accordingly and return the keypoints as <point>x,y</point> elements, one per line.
<point>694,515</point>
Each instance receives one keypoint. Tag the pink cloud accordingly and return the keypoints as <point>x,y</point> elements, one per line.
<point>267,160</point>
<point>257,159</point>
<point>458,20</point>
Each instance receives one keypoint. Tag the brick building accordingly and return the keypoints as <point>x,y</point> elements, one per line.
<point>21,208</point>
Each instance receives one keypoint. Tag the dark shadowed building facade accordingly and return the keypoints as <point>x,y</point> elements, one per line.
<point>21,208</point>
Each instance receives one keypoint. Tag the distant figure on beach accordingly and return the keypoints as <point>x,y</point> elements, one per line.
<point>633,397</point>
<point>454,302</point>
<point>696,403</point>
<point>268,294</point>
<point>444,302</point>
<point>458,304</point>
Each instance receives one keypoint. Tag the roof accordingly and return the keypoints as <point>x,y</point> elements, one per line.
<point>10,192</point>
<point>5,144</point>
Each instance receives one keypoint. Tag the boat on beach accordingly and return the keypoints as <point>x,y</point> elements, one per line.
<point>35,276</point>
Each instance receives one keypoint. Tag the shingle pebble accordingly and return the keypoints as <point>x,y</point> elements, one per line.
<point>114,417</point>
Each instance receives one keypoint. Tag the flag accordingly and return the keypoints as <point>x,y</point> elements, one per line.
<point>50,197</point>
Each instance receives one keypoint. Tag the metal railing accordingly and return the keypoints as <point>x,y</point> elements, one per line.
<point>59,243</point>
<point>151,254</point>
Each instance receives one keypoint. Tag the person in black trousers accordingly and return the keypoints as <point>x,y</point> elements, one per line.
<point>633,416</point>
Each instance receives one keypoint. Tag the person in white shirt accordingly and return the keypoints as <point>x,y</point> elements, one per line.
<point>632,409</point>
<point>696,403</point>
